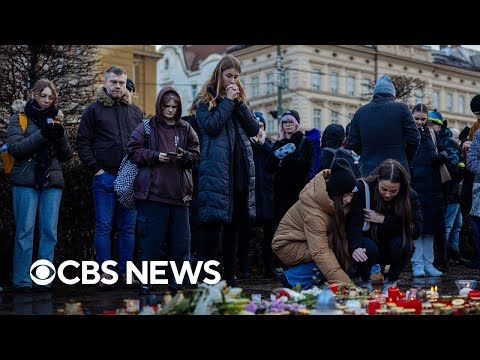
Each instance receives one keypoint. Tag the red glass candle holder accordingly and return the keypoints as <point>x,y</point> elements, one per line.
<point>394,293</point>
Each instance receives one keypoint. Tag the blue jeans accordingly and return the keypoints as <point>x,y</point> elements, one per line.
<point>108,211</point>
<point>304,274</point>
<point>453,225</point>
<point>27,202</point>
<point>375,269</point>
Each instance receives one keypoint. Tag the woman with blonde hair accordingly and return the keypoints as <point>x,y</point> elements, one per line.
<point>226,186</point>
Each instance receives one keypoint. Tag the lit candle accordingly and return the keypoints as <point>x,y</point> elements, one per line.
<point>132,305</point>
<point>393,292</point>
<point>464,291</point>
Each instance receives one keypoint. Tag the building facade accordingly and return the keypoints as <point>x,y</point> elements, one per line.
<point>140,63</point>
<point>187,68</point>
<point>328,83</point>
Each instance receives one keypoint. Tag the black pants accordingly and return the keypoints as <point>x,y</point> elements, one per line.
<point>389,251</point>
<point>244,246</point>
<point>231,233</point>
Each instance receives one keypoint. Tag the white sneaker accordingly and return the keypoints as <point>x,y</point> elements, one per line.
<point>418,272</point>
<point>430,270</point>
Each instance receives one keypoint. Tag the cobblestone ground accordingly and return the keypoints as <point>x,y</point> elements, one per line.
<point>96,301</point>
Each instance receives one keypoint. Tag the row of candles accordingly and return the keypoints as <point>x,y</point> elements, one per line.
<point>420,301</point>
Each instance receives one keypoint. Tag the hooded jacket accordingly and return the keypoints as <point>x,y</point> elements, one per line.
<point>104,131</point>
<point>170,182</point>
<point>302,234</point>
<point>370,125</point>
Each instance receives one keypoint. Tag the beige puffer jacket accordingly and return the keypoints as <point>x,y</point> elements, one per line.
<point>302,235</point>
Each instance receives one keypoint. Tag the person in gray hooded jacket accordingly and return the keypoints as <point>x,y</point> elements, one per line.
<point>379,117</point>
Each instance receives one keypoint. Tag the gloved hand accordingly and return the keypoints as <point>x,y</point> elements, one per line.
<point>442,158</point>
<point>59,130</point>
<point>285,150</point>
<point>49,132</point>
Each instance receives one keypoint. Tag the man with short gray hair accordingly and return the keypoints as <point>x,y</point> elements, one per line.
<point>103,134</point>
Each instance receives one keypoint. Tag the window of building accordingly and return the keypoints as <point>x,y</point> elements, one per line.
<point>461,104</point>
<point>366,87</point>
<point>270,83</point>
<point>335,117</point>
<point>317,118</point>
<point>255,86</point>
<point>334,83</point>
<point>436,100</point>
<point>194,91</point>
<point>272,125</point>
<point>286,79</point>
<point>166,64</point>
<point>351,85</point>
<point>449,102</point>
<point>419,96</point>
<point>316,80</point>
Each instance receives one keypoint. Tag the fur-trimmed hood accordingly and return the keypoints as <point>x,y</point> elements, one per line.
<point>106,100</point>
<point>19,106</point>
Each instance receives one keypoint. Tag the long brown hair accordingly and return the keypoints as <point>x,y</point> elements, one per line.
<point>337,234</point>
<point>392,170</point>
<point>226,63</point>
<point>42,84</point>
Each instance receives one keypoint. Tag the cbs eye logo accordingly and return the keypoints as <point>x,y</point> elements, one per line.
<point>42,272</point>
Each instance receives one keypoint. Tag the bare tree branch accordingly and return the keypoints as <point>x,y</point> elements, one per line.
<point>405,86</point>
<point>74,69</point>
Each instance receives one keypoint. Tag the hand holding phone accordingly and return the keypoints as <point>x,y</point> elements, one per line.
<point>172,154</point>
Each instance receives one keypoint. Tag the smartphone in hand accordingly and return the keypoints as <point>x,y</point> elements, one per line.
<point>172,154</point>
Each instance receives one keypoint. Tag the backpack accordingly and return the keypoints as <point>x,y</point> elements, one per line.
<point>8,159</point>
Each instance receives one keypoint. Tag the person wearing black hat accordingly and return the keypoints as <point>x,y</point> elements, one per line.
<point>311,237</point>
<point>290,161</point>
<point>475,107</point>
<point>395,219</point>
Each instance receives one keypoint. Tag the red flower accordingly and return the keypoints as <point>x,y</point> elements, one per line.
<point>283,293</point>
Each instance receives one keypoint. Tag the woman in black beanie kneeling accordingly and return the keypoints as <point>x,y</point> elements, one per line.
<point>311,237</point>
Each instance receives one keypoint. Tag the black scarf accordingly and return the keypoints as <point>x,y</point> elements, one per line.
<point>44,155</point>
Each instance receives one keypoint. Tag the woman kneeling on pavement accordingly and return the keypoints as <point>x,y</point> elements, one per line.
<point>394,220</point>
<point>311,237</point>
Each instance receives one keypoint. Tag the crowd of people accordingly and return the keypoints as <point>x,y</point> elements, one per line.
<point>336,206</point>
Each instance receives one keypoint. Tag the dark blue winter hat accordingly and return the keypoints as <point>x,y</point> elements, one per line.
<point>384,86</point>
<point>435,117</point>
<point>259,117</point>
